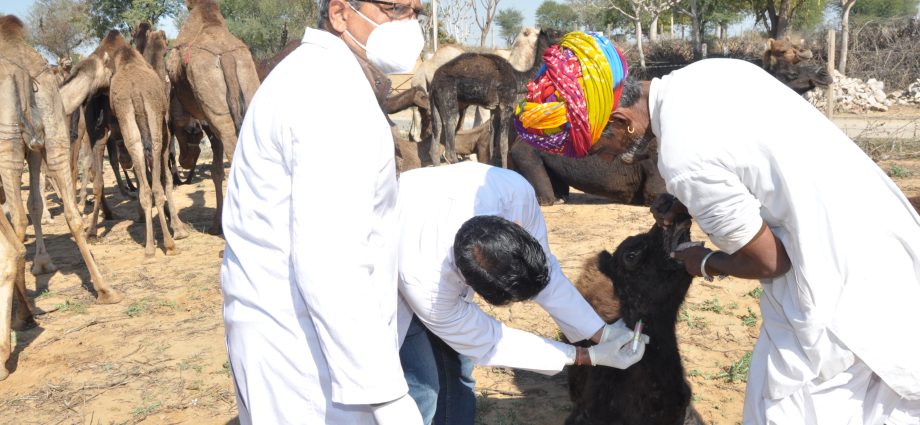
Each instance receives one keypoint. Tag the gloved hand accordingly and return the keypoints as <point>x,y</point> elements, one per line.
<point>611,331</point>
<point>401,411</point>
<point>617,351</point>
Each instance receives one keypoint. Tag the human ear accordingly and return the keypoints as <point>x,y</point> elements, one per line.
<point>337,11</point>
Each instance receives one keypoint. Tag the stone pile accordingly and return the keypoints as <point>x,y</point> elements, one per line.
<point>853,95</point>
<point>911,96</point>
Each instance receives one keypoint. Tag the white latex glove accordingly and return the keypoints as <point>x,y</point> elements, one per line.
<point>618,351</point>
<point>402,411</point>
<point>616,329</point>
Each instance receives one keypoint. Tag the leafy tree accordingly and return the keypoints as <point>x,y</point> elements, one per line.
<point>779,16</point>
<point>124,15</point>
<point>885,8</point>
<point>59,26</point>
<point>510,22</point>
<point>267,25</point>
<point>558,16</point>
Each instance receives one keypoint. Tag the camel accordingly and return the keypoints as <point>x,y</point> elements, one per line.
<point>32,125</point>
<point>138,100</point>
<point>485,80</point>
<point>551,176</point>
<point>793,64</point>
<point>266,66</point>
<point>214,78</point>
<point>639,281</point>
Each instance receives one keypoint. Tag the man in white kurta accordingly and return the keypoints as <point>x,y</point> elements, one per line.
<point>433,204</point>
<point>309,270</point>
<point>838,344</point>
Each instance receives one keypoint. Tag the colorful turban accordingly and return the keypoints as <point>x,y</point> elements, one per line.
<point>569,102</point>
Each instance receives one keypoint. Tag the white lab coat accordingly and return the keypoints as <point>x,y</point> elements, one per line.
<point>433,204</point>
<point>309,271</point>
<point>739,149</point>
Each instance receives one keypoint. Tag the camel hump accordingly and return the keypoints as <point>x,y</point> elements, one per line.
<point>12,28</point>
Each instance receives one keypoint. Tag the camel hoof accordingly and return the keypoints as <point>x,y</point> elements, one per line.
<point>43,265</point>
<point>149,253</point>
<point>23,325</point>
<point>172,251</point>
<point>180,233</point>
<point>215,230</point>
<point>4,373</point>
<point>109,297</point>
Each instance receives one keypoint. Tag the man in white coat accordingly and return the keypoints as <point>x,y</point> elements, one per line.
<point>309,271</point>
<point>789,199</point>
<point>468,229</point>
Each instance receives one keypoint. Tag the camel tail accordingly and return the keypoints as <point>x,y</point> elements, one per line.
<point>32,126</point>
<point>143,125</point>
<point>235,98</point>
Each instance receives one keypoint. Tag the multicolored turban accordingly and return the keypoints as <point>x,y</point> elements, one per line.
<point>569,102</point>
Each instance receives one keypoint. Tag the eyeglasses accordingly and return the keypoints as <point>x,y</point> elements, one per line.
<point>396,11</point>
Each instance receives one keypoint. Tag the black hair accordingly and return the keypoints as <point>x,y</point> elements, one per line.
<point>500,260</point>
<point>322,18</point>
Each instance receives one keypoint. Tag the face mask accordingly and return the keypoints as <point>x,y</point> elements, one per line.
<point>393,47</point>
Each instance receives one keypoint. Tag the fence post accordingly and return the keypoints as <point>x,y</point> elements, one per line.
<point>831,53</point>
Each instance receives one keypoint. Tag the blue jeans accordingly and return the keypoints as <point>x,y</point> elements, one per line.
<point>440,379</point>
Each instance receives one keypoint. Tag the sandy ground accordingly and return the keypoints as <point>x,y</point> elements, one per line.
<point>159,356</point>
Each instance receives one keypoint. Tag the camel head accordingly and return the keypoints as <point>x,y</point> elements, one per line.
<point>156,41</point>
<point>208,11</point>
<point>12,29</point>
<point>189,152</point>
<point>93,73</point>
<point>140,36</point>
<point>785,50</point>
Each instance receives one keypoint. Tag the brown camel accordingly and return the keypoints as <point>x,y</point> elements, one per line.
<point>794,65</point>
<point>485,80</point>
<point>214,78</point>
<point>138,101</point>
<point>31,124</point>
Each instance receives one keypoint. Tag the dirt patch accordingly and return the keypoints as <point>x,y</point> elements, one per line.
<point>159,356</point>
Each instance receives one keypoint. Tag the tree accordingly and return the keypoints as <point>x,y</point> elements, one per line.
<point>779,15</point>
<point>123,15</point>
<point>510,22</point>
<point>59,26</point>
<point>267,25</point>
<point>484,22</point>
<point>454,20</point>
<point>636,10</point>
<point>847,5</point>
<point>885,8</point>
<point>558,16</point>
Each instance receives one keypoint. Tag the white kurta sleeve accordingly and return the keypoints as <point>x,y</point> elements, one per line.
<point>721,205</point>
<point>460,323</point>
<point>575,317</point>
<point>332,255</point>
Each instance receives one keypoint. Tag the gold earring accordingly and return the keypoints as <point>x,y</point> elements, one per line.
<point>630,130</point>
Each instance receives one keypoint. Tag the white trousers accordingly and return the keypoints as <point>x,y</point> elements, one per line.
<point>856,396</point>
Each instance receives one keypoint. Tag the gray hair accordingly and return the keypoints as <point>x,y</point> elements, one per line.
<point>323,16</point>
<point>632,90</point>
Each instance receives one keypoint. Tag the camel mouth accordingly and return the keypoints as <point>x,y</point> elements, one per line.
<point>677,233</point>
<point>637,151</point>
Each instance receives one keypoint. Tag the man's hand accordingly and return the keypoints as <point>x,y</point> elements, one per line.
<point>617,352</point>
<point>692,258</point>
<point>667,209</point>
<point>401,411</point>
<point>613,331</point>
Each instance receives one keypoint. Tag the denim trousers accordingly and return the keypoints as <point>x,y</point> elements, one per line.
<point>440,379</point>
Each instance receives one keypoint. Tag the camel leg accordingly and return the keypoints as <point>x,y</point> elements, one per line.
<point>12,154</point>
<point>136,150</point>
<point>43,199</point>
<point>12,258</point>
<point>501,122</point>
<point>159,200</point>
<point>178,227</point>
<point>450,116</point>
<point>225,141</point>
<point>86,160</point>
<point>56,159</point>
<point>98,196</point>
<point>41,264</point>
